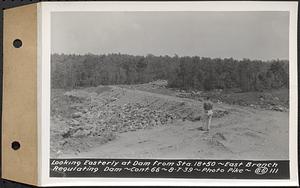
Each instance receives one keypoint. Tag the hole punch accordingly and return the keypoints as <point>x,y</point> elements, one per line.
<point>17,43</point>
<point>15,145</point>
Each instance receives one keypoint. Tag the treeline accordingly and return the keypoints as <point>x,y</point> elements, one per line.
<point>72,71</point>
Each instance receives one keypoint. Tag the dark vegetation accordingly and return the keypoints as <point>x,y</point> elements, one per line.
<point>74,71</point>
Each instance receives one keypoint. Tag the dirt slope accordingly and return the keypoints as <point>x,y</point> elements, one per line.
<point>245,133</point>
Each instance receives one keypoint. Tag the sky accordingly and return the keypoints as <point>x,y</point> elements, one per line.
<point>255,35</point>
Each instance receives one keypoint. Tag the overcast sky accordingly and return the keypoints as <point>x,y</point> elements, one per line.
<point>254,35</point>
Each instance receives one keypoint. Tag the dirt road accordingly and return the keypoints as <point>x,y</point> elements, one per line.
<point>245,133</point>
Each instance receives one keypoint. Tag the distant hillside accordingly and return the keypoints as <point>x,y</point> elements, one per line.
<point>73,71</point>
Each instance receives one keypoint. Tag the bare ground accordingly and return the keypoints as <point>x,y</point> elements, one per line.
<point>243,133</point>
<point>262,135</point>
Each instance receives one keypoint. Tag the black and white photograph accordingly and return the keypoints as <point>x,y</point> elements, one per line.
<point>166,93</point>
<point>170,85</point>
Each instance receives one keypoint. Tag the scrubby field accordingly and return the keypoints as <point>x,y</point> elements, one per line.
<point>152,121</point>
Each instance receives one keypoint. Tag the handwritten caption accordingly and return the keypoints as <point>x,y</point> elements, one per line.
<point>168,168</point>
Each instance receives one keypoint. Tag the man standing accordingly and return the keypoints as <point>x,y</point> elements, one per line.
<point>208,112</point>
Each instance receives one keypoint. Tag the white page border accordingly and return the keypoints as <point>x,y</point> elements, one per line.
<point>44,51</point>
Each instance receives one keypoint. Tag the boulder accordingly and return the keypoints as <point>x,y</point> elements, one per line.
<point>76,115</point>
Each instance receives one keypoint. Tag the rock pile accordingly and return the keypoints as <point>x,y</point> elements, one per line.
<point>94,118</point>
<point>155,84</point>
<point>90,114</point>
<point>79,117</point>
<point>264,100</point>
<point>278,108</point>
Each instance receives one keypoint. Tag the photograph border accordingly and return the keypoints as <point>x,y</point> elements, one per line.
<point>43,109</point>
